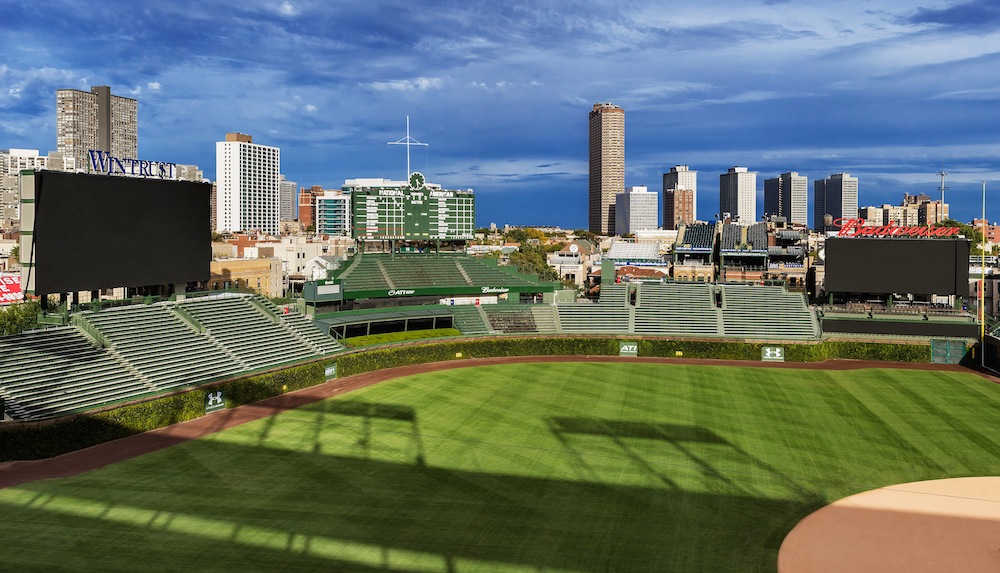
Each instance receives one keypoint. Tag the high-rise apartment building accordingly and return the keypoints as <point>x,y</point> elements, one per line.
<point>288,200</point>
<point>95,120</point>
<point>835,197</point>
<point>12,161</point>
<point>683,207</point>
<point>248,183</point>
<point>607,165</point>
<point>636,209</point>
<point>738,195</point>
<point>333,213</point>
<point>787,195</point>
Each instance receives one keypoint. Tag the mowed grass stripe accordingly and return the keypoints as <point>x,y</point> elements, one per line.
<point>534,467</point>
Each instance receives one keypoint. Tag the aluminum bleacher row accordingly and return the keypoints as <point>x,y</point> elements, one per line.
<point>127,353</point>
<point>669,309</point>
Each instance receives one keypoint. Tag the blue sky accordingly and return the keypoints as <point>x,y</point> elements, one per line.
<point>891,92</point>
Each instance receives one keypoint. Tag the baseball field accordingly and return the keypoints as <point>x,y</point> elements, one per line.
<point>574,466</point>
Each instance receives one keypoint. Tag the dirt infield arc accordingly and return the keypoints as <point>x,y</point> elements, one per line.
<point>75,463</point>
<point>930,526</point>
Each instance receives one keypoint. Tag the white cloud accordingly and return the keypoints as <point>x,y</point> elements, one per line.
<point>288,9</point>
<point>410,85</point>
<point>311,108</point>
<point>153,86</point>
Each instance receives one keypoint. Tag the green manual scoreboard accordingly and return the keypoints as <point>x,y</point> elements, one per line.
<point>414,213</point>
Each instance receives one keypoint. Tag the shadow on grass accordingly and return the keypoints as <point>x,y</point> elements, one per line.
<point>212,505</point>
<point>692,443</point>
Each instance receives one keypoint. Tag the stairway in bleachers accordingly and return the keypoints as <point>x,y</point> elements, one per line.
<point>256,340</point>
<point>161,345</point>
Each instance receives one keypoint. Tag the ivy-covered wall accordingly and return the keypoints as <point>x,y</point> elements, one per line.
<point>47,440</point>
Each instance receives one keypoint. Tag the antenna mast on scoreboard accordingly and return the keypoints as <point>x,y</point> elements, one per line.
<point>408,142</point>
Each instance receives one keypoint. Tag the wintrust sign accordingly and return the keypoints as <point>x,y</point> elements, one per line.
<point>857,228</point>
<point>104,162</point>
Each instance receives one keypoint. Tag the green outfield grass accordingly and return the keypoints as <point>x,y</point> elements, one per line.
<point>522,468</point>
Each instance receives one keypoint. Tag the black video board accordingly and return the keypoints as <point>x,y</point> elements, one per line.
<point>894,265</point>
<point>96,231</point>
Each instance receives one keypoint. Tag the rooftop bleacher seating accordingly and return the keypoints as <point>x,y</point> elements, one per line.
<point>626,251</point>
<point>757,236</point>
<point>698,236</point>
<point>732,236</point>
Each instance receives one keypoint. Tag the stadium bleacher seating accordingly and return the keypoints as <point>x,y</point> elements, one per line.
<point>161,346</point>
<point>593,317</point>
<point>46,373</point>
<point>131,352</point>
<point>255,339</point>
<point>677,309</point>
<point>470,319</point>
<point>510,318</point>
<point>766,312</point>
<point>382,272</point>
<point>613,293</point>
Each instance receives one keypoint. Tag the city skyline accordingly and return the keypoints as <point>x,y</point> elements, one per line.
<point>891,93</point>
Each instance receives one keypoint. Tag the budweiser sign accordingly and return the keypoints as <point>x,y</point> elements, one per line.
<point>857,228</point>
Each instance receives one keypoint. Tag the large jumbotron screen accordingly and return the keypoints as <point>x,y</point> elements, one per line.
<point>95,231</point>
<point>884,266</point>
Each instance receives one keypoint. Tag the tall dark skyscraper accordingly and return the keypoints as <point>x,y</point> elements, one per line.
<point>787,195</point>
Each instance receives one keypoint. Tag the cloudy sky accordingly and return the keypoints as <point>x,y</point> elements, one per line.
<point>891,92</point>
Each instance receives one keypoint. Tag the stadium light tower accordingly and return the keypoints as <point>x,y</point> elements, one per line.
<point>408,142</point>
<point>942,174</point>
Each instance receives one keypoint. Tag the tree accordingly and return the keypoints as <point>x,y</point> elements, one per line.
<point>15,253</point>
<point>973,234</point>
<point>18,317</point>
<point>531,260</point>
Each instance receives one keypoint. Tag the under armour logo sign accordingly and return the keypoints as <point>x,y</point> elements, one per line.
<point>772,352</point>
<point>214,398</point>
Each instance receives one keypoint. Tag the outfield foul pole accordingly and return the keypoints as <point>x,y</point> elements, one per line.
<point>982,289</point>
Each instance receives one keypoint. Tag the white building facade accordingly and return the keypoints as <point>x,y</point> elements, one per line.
<point>636,209</point>
<point>248,185</point>
<point>738,194</point>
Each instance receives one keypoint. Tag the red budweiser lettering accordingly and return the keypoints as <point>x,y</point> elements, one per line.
<point>857,228</point>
